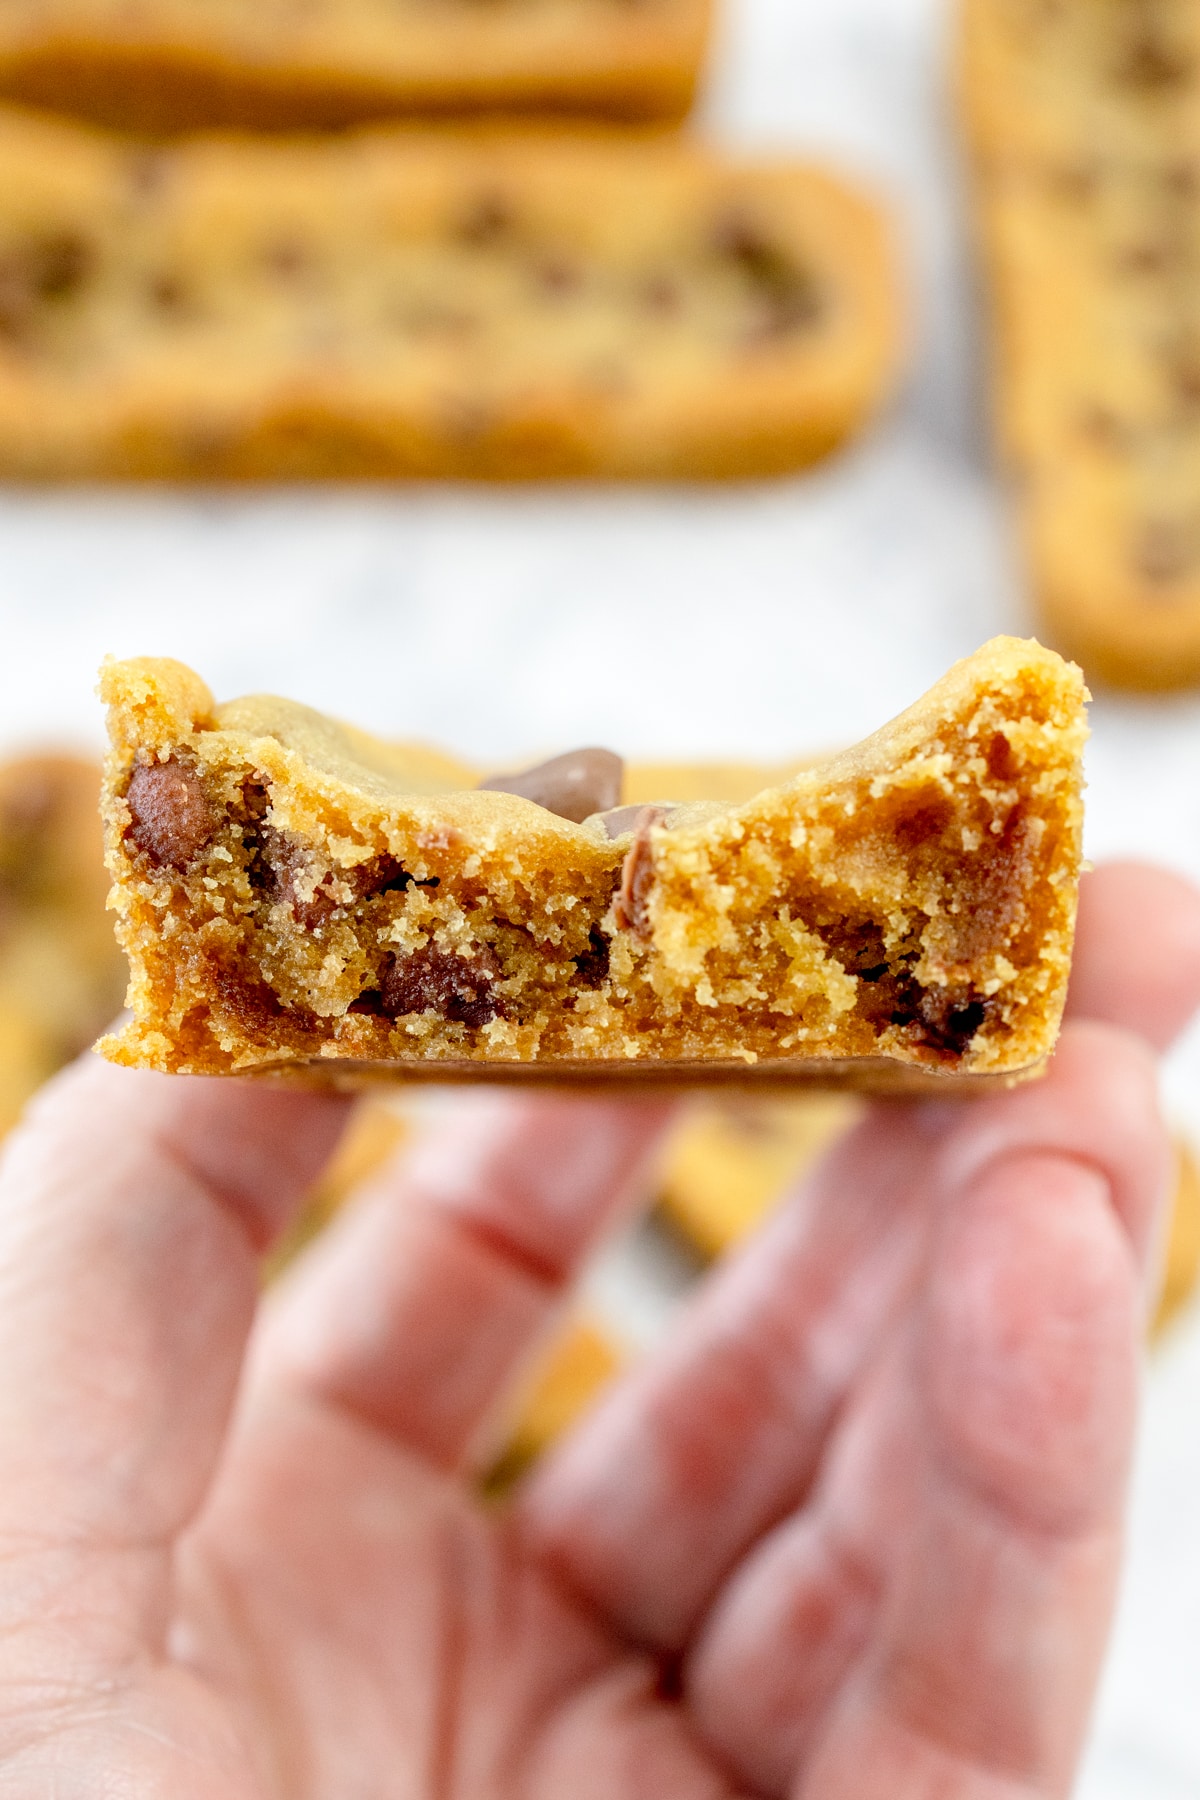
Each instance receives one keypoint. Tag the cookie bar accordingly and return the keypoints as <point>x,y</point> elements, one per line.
<point>172,65</point>
<point>1085,123</point>
<point>733,1158</point>
<point>292,893</point>
<point>1181,1270</point>
<point>61,973</point>
<point>462,304</point>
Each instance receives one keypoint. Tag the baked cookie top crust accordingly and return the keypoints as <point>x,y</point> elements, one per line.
<point>292,892</point>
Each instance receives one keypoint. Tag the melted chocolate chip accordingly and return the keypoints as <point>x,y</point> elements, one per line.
<point>388,876</point>
<point>948,1018</point>
<point>429,979</point>
<point>593,964</point>
<point>172,819</point>
<point>1001,758</point>
<point>574,785</point>
<point>631,908</point>
<point>995,888</point>
<point>245,997</point>
<point>620,819</point>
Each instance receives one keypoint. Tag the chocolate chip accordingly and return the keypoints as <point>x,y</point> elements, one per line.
<point>1149,61</point>
<point>788,299</point>
<point>244,996</point>
<point>593,964</point>
<point>631,907</point>
<point>661,295</point>
<point>558,277</point>
<point>41,271</point>
<point>1182,180</point>
<point>1075,182</point>
<point>995,886</point>
<point>489,217</point>
<point>147,173</point>
<point>1185,381</point>
<point>1163,551</point>
<point>574,785</point>
<point>429,979</point>
<point>388,876</point>
<point>167,293</point>
<point>172,819</point>
<point>1152,256</point>
<point>1001,757</point>
<point>61,263</point>
<point>1101,426</point>
<point>948,1018</point>
<point>287,258</point>
<point>620,819</point>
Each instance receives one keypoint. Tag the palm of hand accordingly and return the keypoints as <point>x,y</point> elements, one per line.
<point>853,1534</point>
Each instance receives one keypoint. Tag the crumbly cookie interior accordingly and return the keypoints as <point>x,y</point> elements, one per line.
<point>287,892</point>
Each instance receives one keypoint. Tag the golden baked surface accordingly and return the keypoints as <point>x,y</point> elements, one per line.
<point>292,892</point>
<point>169,65</point>
<point>1084,119</point>
<point>400,303</point>
<point>61,973</point>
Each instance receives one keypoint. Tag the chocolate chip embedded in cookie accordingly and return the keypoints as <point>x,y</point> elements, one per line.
<point>574,785</point>
<point>171,819</point>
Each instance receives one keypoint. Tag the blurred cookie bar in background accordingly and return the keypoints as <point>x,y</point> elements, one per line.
<point>1084,124</point>
<point>168,65</point>
<point>460,303</point>
<point>62,978</point>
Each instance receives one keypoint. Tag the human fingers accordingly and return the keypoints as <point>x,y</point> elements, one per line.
<point>133,1208</point>
<point>659,1495</point>
<point>1137,951</point>
<point>419,1306</point>
<point>1023,1369</point>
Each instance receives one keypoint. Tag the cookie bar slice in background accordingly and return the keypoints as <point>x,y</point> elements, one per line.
<point>61,973</point>
<point>464,304</point>
<point>1084,120</point>
<point>293,893</point>
<point>169,65</point>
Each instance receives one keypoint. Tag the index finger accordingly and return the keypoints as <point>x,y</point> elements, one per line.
<point>1137,951</point>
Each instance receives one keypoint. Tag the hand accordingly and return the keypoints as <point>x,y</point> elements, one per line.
<point>853,1536</point>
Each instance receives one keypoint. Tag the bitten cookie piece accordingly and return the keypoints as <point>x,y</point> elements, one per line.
<point>461,304</point>
<point>293,893</point>
<point>61,973</point>
<point>170,65</point>
<point>1084,118</point>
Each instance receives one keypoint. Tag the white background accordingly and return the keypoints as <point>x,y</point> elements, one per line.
<point>755,622</point>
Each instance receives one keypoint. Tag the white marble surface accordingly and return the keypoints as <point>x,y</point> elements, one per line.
<point>754,622</point>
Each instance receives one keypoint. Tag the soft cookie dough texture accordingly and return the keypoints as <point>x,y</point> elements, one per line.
<point>456,303</point>
<point>167,65</point>
<point>1084,119</point>
<point>293,893</point>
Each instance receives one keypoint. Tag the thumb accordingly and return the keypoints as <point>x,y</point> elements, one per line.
<point>133,1210</point>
